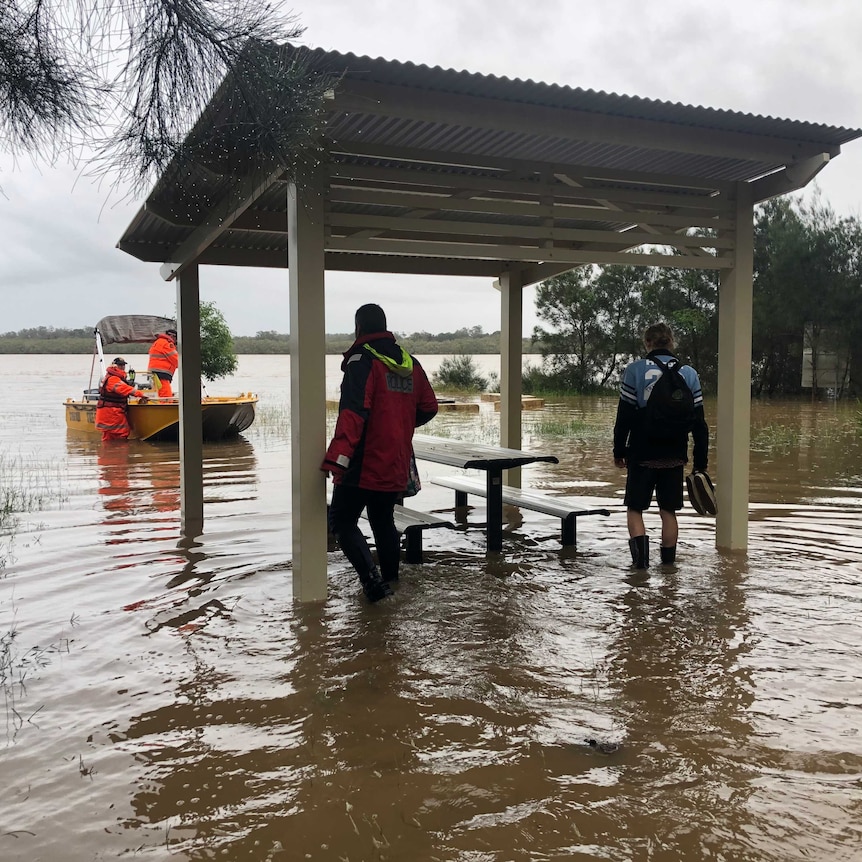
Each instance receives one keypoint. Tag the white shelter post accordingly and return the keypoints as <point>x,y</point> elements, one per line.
<point>191,416</point>
<point>511,383</point>
<point>733,422</point>
<point>307,389</point>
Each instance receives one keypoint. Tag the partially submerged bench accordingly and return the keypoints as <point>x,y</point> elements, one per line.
<point>562,507</point>
<point>412,524</point>
<point>480,456</point>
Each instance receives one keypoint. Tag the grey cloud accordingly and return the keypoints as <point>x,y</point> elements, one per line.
<point>800,60</point>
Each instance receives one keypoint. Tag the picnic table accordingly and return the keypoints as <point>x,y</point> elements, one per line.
<point>493,460</point>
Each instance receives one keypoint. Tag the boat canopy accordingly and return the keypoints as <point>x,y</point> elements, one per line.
<point>132,328</point>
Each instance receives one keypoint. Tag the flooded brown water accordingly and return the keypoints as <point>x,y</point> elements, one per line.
<point>166,699</point>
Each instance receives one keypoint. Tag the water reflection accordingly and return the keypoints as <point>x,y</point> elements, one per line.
<point>139,492</point>
<point>138,480</point>
<point>347,731</point>
<point>676,666</point>
<point>143,479</point>
<point>223,722</point>
<point>452,724</point>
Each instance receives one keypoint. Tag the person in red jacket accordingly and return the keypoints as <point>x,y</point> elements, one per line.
<point>112,417</point>
<point>385,395</point>
<point>163,362</point>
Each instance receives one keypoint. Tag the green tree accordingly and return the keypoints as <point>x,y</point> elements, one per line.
<point>806,279</point>
<point>625,290</point>
<point>832,312</point>
<point>591,318</point>
<point>779,249</point>
<point>130,79</point>
<point>851,306</point>
<point>218,356</point>
<point>686,299</point>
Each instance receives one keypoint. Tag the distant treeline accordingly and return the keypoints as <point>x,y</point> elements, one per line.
<point>466,340</point>
<point>49,339</point>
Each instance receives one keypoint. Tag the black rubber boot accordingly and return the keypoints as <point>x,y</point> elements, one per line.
<point>374,587</point>
<point>639,546</point>
<point>668,554</point>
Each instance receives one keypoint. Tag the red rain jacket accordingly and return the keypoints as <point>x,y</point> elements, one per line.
<point>385,395</point>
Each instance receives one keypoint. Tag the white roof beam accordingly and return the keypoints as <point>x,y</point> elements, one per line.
<point>679,243</point>
<point>542,271</point>
<point>500,206</point>
<point>539,233</point>
<point>412,265</point>
<point>791,179</point>
<point>471,160</point>
<point>416,214</point>
<point>520,253</point>
<point>278,259</point>
<point>416,181</point>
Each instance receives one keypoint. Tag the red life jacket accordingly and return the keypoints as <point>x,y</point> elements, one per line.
<point>114,389</point>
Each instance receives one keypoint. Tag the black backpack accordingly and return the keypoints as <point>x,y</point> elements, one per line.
<point>669,412</point>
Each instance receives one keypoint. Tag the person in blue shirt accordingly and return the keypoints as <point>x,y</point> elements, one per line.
<point>655,463</point>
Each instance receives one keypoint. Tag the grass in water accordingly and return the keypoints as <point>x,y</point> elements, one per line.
<point>770,438</point>
<point>25,486</point>
<point>16,667</point>
<point>472,427</point>
<point>269,418</point>
<point>780,438</point>
<point>558,426</point>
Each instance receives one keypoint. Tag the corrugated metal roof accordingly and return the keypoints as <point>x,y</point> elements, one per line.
<point>428,152</point>
<point>529,92</point>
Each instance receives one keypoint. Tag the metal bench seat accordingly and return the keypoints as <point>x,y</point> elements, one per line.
<point>412,524</point>
<point>563,508</point>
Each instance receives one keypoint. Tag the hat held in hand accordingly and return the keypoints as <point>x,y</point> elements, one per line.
<point>701,493</point>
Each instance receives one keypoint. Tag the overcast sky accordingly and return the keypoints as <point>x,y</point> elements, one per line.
<point>794,59</point>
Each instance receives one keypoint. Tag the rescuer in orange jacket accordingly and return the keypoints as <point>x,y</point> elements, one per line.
<point>385,395</point>
<point>112,417</point>
<point>163,362</point>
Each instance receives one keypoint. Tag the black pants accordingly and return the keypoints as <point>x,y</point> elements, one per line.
<point>344,512</point>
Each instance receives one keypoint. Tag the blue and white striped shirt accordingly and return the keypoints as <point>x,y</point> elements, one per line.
<point>638,380</point>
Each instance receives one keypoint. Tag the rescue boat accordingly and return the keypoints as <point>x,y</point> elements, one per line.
<point>156,418</point>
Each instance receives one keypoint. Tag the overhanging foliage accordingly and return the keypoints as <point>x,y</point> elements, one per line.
<point>129,80</point>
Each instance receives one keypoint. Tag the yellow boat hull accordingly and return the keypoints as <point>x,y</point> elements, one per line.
<point>160,420</point>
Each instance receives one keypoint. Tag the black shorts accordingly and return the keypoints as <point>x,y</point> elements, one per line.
<point>666,482</point>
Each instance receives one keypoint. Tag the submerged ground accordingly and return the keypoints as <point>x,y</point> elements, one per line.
<point>169,700</point>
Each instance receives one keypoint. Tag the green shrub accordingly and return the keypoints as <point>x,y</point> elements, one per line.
<point>460,372</point>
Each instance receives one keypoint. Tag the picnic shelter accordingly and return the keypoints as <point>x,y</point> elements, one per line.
<point>441,172</point>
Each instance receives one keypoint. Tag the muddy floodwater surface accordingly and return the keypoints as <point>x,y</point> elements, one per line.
<point>166,699</point>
